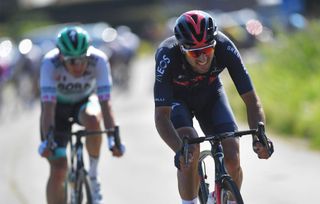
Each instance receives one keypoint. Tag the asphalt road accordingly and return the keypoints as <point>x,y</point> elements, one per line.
<point>146,173</point>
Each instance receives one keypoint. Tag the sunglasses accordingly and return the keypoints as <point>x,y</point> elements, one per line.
<point>196,52</point>
<point>75,60</point>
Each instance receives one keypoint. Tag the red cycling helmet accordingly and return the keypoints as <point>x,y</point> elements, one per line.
<point>195,29</point>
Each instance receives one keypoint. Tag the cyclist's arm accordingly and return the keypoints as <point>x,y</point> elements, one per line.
<point>48,95</point>
<point>255,113</point>
<point>231,57</point>
<point>107,113</point>
<point>165,128</point>
<point>47,117</point>
<point>104,85</point>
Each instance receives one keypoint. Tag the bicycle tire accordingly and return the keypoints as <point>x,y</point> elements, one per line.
<point>204,187</point>
<point>69,188</point>
<point>83,189</point>
<point>230,191</point>
<point>78,191</point>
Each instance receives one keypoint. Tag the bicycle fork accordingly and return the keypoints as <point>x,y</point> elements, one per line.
<point>76,163</point>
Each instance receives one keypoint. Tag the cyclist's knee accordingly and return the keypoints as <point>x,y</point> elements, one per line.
<point>58,169</point>
<point>232,162</point>
<point>91,122</point>
<point>195,149</point>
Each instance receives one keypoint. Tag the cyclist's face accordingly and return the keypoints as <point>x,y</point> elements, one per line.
<point>76,66</point>
<point>199,58</point>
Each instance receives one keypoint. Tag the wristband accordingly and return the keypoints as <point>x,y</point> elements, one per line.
<point>43,145</point>
<point>111,142</point>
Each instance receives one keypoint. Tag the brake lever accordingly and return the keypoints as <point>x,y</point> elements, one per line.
<point>263,138</point>
<point>185,150</point>
<point>261,134</point>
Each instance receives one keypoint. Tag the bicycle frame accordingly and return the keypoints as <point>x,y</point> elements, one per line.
<point>76,167</point>
<point>222,177</point>
<point>220,170</point>
<point>76,154</point>
<point>77,176</point>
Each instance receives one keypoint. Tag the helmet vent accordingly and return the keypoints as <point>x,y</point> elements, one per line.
<point>82,44</point>
<point>73,37</point>
<point>65,46</point>
<point>183,32</point>
<point>195,18</point>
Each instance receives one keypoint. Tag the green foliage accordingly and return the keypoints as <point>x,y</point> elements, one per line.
<point>21,23</point>
<point>288,83</point>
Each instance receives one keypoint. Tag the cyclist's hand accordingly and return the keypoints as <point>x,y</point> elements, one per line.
<point>261,150</point>
<point>44,149</point>
<point>116,151</point>
<point>179,160</point>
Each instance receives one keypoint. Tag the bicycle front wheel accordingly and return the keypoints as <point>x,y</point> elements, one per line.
<point>83,189</point>
<point>204,188</point>
<point>230,192</point>
<point>78,190</point>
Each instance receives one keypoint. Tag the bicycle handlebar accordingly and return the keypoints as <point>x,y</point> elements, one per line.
<point>86,133</point>
<point>260,132</point>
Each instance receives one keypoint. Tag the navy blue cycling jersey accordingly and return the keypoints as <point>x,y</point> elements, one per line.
<point>175,79</point>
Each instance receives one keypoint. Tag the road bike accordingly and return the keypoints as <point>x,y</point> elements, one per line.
<point>225,189</point>
<point>77,184</point>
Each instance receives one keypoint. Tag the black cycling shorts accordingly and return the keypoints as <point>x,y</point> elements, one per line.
<point>65,116</point>
<point>215,117</point>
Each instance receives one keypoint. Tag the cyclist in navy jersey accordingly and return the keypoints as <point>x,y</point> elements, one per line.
<point>187,85</point>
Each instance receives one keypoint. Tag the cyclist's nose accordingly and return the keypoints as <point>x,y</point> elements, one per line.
<point>202,57</point>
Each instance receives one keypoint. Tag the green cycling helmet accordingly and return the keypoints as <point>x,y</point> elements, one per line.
<point>73,41</point>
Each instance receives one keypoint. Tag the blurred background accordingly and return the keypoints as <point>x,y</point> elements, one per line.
<point>278,40</point>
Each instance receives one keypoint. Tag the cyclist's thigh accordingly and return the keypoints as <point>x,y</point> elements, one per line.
<point>88,111</point>
<point>181,118</point>
<point>217,117</point>
<point>62,124</point>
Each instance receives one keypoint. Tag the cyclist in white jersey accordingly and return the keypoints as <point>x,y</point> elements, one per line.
<point>70,75</point>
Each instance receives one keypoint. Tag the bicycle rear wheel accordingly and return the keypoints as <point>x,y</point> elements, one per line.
<point>230,191</point>
<point>204,183</point>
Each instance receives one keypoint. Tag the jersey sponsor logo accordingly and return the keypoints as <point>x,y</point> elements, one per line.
<point>73,87</point>
<point>174,105</point>
<point>163,64</point>
<point>183,81</point>
<point>159,99</point>
<point>234,51</point>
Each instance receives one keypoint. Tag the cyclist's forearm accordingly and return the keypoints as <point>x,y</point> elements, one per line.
<point>47,117</point>
<point>255,115</point>
<point>255,112</point>
<point>168,133</point>
<point>107,114</point>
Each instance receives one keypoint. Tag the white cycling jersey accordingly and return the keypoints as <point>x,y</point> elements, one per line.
<point>57,84</point>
